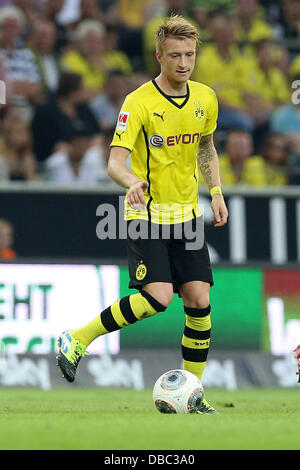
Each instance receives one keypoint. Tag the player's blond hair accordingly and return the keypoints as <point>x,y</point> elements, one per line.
<point>175,26</point>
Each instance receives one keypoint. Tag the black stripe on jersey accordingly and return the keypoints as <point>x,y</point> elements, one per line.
<point>148,171</point>
<point>176,97</point>
<point>195,174</point>
<point>169,98</point>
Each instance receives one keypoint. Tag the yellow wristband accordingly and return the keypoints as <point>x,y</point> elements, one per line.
<point>215,190</point>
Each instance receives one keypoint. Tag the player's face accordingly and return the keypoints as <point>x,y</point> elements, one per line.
<point>239,147</point>
<point>177,59</point>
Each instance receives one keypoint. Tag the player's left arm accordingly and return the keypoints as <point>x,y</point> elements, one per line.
<point>208,163</point>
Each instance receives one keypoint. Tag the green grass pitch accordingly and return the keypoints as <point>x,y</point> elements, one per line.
<point>122,419</point>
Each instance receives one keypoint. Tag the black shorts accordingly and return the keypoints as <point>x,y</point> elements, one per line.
<point>167,259</point>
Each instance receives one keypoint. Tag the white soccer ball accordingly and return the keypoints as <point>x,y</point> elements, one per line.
<point>178,391</point>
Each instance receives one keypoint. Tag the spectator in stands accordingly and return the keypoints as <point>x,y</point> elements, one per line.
<point>286,121</point>
<point>42,44</point>
<point>32,10</point>
<point>50,12</point>
<point>55,121</point>
<point>134,14</point>
<point>237,164</point>
<point>254,26</point>
<point>289,19</point>
<point>105,11</point>
<point>251,23</point>
<point>201,10</point>
<point>20,63</point>
<point>109,11</point>
<point>6,240</point>
<point>111,18</point>
<point>87,57</point>
<point>115,58</point>
<point>221,66</point>
<point>107,105</point>
<point>274,152</point>
<point>79,163</point>
<point>16,149</point>
<point>90,10</point>
<point>282,59</point>
<point>266,86</point>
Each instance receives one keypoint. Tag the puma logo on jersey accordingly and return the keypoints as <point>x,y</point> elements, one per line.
<point>119,134</point>
<point>159,115</point>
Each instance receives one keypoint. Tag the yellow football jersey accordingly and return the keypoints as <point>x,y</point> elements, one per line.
<point>163,134</point>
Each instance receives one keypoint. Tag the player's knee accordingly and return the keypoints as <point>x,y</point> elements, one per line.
<point>200,301</point>
<point>163,299</point>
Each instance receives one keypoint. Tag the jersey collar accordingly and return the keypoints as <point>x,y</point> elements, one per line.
<point>169,98</point>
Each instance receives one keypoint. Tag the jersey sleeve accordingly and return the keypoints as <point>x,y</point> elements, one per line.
<point>212,115</point>
<point>130,121</point>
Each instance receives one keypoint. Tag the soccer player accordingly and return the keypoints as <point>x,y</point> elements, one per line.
<point>167,126</point>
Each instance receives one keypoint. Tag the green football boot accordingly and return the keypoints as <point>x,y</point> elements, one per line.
<point>69,355</point>
<point>206,408</point>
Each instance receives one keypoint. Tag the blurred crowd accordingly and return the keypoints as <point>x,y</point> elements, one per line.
<point>67,66</point>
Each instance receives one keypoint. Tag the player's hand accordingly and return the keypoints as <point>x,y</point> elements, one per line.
<point>135,196</point>
<point>220,211</point>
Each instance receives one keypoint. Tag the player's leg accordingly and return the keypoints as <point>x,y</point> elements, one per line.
<point>150,273</point>
<point>152,299</point>
<point>122,313</point>
<point>192,273</point>
<point>162,291</point>
<point>193,278</point>
<point>196,335</point>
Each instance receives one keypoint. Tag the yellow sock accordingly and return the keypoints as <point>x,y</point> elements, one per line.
<point>89,332</point>
<point>196,368</point>
<point>196,339</point>
<point>121,313</point>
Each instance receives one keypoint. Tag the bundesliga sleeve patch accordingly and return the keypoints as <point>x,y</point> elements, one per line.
<point>123,120</point>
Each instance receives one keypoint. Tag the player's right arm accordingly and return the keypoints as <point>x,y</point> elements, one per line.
<point>128,126</point>
<point>118,171</point>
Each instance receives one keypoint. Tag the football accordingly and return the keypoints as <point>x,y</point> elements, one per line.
<point>178,391</point>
